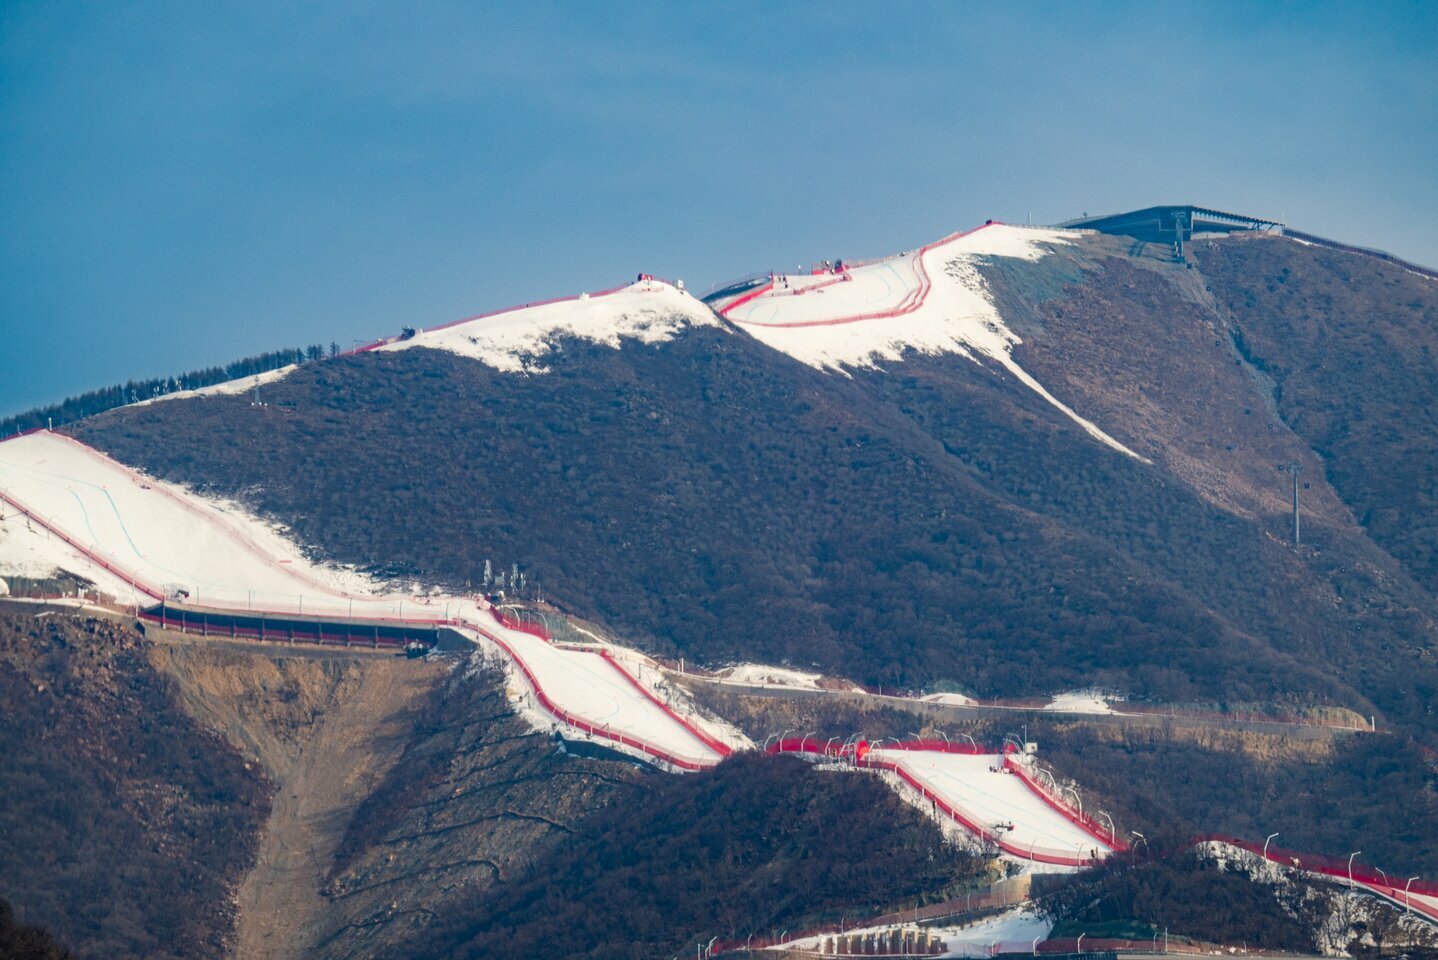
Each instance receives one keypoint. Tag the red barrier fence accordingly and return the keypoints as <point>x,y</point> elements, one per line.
<point>1083,821</point>
<point>579,723</point>
<point>1339,868</point>
<point>754,294</point>
<point>718,746</point>
<point>861,756</point>
<point>318,634</point>
<point>523,626</point>
<point>234,530</point>
<point>386,341</point>
<point>911,301</point>
<point>836,747</point>
<point>93,555</point>
<point>940,746</point>
<point>970,823</point>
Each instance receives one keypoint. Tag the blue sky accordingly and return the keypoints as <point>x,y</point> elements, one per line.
<point>184,184</point>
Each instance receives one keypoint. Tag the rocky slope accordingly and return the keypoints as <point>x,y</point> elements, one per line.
<point>126,826</point>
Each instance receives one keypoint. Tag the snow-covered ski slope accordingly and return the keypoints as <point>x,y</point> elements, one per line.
<point>142,540</point>
<point>588,693</point>
<point>995,797</point>
<point>516,340</point>
<point>982,789</point>
<point>929,301</point>
<point>160,540</point>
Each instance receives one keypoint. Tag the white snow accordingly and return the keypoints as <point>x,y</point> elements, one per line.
<point>1420,901</point>
<point>949,699</point>
<point>171,538</point>
<point>227,388</point>
<point>969,783</point>
<point>763,675</point>
<point>1080,701</point>
<point>28,550</point>
<point>1018,927</point>
<point>516,340</point>
<point>585,684</point>
<point>930,302</point>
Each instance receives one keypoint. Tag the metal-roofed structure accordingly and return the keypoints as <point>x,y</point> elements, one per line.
<point>1175,225</point>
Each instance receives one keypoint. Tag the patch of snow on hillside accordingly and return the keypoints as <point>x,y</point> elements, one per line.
<point>1080,701</point>
<point>514,341</point>
<point>1020,926</point>
<point>951,699</point>
<point>928,302</point>
<point>759,674</point>
<point>228,388</point>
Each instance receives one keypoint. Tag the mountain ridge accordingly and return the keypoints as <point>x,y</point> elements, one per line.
<point>789,458</point>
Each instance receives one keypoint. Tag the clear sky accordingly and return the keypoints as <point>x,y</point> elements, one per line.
<point>182,184</point>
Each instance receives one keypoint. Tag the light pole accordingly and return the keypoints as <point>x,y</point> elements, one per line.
<point>1141,837</point>
<point>1407,905</point>
<point>1265,844</point>
<point>1112,834</point>
<point>1350,867</point>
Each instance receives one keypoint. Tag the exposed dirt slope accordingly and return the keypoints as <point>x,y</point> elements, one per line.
<point>475,798</point>
<point>126,826</point>
<point>326,727</point>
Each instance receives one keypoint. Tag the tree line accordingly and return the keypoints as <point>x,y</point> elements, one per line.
<point>132,391</point>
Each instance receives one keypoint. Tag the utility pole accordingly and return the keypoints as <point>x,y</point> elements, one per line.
<point>1294,469</point>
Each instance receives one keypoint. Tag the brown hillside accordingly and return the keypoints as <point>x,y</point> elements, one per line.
<point>126,827</point>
